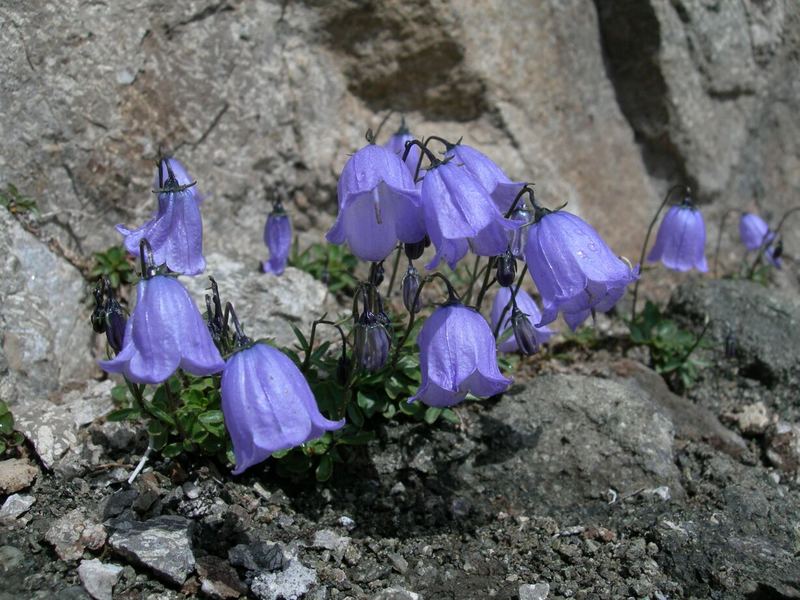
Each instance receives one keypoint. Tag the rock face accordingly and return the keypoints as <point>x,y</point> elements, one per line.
<point>591,439</point>
<point>46,336</point>
<point>598,102</point>
<point>265,304</point>
<point>163,545</point>
<point>763,322</point>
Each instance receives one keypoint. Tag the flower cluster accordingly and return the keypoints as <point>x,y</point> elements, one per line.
<point>394,197</point>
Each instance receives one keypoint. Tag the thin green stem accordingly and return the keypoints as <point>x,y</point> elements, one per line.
<point>394,270</point>
<point>486,283</point>
<point>473,277</point>
<point>511,301</point>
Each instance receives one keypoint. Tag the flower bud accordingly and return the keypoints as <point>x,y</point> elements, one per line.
<point>415,250</point>
<point>524,333</point>
<point>506,269</point>
<point>410,287</point>
<point>372,343</point>
<point>115,324</point>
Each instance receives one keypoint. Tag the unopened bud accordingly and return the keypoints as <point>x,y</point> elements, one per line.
<point>524,333</point>
<point>410,288</point>
<point>506,269</point>
<point>415,250</point>
<point>372,342</point>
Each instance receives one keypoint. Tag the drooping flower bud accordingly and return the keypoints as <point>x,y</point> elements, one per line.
<point>410,287</point>
<point>415,250</point>
<point>527,306</point>
<point>506,269</point>
<point>278,238</point>
<point>372,342</point>
<point>524,333</point>
<point>115,323</point>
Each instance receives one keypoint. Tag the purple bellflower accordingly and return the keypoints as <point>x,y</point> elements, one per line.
<point>529,310</point>
<point>268,405</point>
<point>500,187</point>
<point>573,268</point>
<point>457,356</point>
<point>165,332</point>
<point>754,232</point>
<point>278,238</point>
<point>176,231</point>
<point>681,239</point>
<point>378,204</point>
<point>460,214</point>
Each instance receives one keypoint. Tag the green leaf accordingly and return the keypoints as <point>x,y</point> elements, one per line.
<point>119,394</point>
<point>415,409</point>
<point>431,414</point>
<point>390,411</point>
<point>172,450</point>
<point>16,438</point>
<point>300,338</point>
<point>211,418</point>
<point>159,435</point>
<point>357,439</point>
<point>368,404</point>
<point>281,454</point>
<point>6,424</point>
<point>2,447</point>
<point>325,468</point>
<point>355,415</point>
<point>3,408</point>
<point>124,414</point>
<point>450,416</point>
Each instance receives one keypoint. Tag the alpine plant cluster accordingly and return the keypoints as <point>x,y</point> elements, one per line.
<point>397,197</point>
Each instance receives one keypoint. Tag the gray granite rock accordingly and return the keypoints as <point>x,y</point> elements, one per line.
<point>99,578</point>
<point>44,327</point>
<point>53,428</point>
<point>162,544</point>
<point>265,304</point>
<point>15,506</point>
<point>538,591</point>
<point>289,584</point>
<point>74,532</point>
<point>572,443</point>
<point>764,322</point>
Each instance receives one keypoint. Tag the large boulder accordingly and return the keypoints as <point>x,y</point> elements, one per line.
<point>44,325</point>
<point>260,95</point>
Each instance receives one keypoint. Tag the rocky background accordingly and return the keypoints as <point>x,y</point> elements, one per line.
<point>592,479</point>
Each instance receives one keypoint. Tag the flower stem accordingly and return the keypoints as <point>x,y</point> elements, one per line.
<point>486,283</point>
<point>667,196</point>
<point>511,301</point>
<point>472,278</point>
<point>395,266</point>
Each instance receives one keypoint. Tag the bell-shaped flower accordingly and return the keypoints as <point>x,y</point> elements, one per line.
<point>268,405</point>
<point>492,178</point>
<point>681,239</point>
<point>164,333</point>
<point>755,233</point>
<point>529,309</point>
<point>378,204</point>
<point>176,231</point>
<point>278,239</point>
<point>460,214</point>
<point>457,356</point>
<point>573,268</point>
